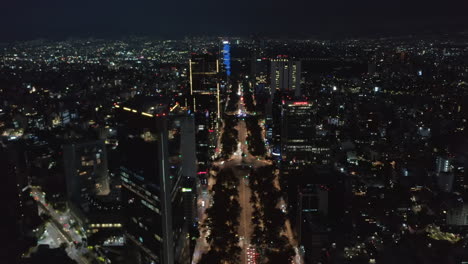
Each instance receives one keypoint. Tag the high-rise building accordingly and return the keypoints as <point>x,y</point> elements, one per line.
<point>313,201</point>
<point>260,72</point>
<point>320,197</point>
<point>20,212</point>
<point>302,138</point>
<point>86,172</point>
<point>297,130</point>
<point>445,181</point>
<point>260,67</point>
<point>188,146</point>
<point>458,216</point>
<point>285,75</point>
<point>204,84</point>
<point>295,138</point>
<point>227,57</point>
<point>442,164</point>
<point>274,124</point>
<point>206,104</point>
<point>91,199</point>
<point>157,190</point>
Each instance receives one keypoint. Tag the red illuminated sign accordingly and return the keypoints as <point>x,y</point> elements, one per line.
<point>301,103</point>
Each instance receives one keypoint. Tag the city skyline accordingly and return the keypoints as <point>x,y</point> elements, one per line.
<point>234,133</point>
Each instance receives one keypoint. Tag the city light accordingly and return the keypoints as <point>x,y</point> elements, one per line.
<point>301,103</point>
<point>241,147</point>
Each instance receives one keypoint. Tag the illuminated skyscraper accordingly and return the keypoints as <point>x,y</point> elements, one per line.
<point>157,190</point>
<point>204,85</point>
<point>227,57</point>
<point>302,141</point>
<point>88,189</point>
<point>285,75</point>
<point>442,164</point>
<point>295,138</point>
<point>206,104</point>
<point>297,132</point>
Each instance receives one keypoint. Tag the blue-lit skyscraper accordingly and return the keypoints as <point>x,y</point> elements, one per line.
<point>227,57</point>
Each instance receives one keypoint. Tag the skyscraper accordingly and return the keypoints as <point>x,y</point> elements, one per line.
<point>86,172</point>
<point>442,164</point>
<point>92,202</point>
<point>227,57</point>
<point>204,85</point>
<point>285,75</point>
<point>20,213</point>
<point>297,132</point>
<point>206,104</point>
<point>458,216</point>
<point>155,190</point>
<point>321,197</point>
<point>295,138</point>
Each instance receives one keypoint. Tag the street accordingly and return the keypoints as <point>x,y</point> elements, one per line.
<point>239,161</point>
<point>59,230</point>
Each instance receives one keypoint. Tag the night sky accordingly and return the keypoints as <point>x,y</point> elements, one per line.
<point>28,19</point>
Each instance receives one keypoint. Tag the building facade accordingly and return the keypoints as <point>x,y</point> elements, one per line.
<point>285,75</point>
<point>157,184</point>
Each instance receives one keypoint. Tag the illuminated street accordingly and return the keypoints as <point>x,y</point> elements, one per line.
<point>164,132</point>
<point>59,230</point>
<point>240,161</point>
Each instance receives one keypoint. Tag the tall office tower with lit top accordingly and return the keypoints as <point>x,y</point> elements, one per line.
<point>204,83</point>
<point>285,75</point>
<point>205,102</point>
<point>297,132</point>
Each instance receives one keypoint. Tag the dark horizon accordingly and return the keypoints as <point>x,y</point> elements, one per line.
<point>51,19</point>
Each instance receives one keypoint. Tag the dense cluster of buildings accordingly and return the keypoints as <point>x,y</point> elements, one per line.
<point>104,145</point>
